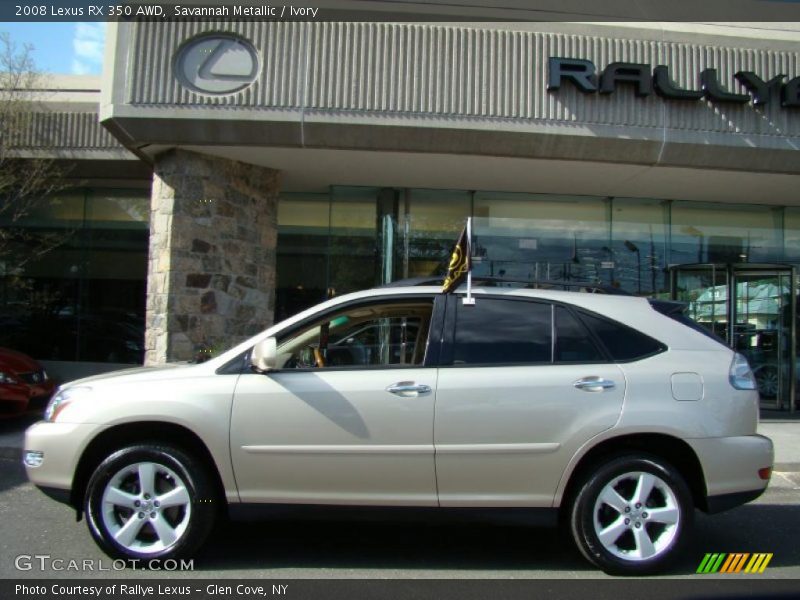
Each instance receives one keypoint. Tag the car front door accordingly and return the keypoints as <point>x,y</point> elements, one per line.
<point>515,401</point>
<point>348,418</point>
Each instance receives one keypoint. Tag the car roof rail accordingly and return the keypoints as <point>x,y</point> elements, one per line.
<point>539,284</point>
<point>413,282</point>
<point>550,284</point>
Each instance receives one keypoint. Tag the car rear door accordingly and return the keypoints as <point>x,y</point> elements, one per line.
<point>515,401</point>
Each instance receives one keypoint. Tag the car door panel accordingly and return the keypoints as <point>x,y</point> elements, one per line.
<point>334,437</point>
<point>504,435</point>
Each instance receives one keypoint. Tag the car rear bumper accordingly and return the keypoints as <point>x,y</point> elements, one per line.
<point>733,468</point>
<point>723,502</point>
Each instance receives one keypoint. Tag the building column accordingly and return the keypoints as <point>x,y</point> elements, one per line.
<point>211,270</point>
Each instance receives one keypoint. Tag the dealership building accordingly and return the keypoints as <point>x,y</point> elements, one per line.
<point>228,174</point>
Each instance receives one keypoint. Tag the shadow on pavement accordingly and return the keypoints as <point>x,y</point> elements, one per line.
<point>13,473</point>
<point>389,545</point>
<point>11,426</point>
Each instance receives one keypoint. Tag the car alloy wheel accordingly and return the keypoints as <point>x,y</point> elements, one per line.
<point>150,501</point>
<point>636,516</point>
<point>146,507</point>
<point>632,515</point>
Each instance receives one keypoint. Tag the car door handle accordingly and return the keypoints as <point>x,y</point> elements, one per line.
<point>594,384</point>
<point>408,389</point>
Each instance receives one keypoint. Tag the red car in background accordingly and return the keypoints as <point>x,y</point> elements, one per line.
<point>24,384</point>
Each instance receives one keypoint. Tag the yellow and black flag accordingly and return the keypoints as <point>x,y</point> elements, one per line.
<point>460,261</point>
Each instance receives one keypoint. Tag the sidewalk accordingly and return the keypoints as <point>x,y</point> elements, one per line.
<point>783,428</point>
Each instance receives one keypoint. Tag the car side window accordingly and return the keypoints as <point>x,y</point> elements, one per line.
<point>623,343</point>
<point>378,335</point>
<point>497,331</point>
<point>573,341</point>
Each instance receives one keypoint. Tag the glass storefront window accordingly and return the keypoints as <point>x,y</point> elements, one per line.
<point>354,259</point>
<point>791,235</point>
<point>302,252</point>
<point>721,233</point>
<point>432,221</point>
<point>84,299</point>
<point>639,244</point>
<point>544,237</point>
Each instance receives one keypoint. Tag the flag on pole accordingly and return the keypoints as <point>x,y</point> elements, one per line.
<point>460,261</point>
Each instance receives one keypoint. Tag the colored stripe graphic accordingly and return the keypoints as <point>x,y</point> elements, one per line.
<point>758,563</point>
<point>734,562</point>
<point>711,563</point>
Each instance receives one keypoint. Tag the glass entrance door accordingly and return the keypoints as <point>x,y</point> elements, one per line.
<point>762,332</point>
<point>705,289</point>
<point>750,307</point>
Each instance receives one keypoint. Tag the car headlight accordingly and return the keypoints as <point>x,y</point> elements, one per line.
<point>61,399</point>
<point>7,378</point>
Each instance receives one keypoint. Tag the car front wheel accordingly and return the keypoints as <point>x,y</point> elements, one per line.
<point>632,515</point>
<point>150,501</point>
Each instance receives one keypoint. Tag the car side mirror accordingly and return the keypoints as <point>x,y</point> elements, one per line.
<point>264,356</point>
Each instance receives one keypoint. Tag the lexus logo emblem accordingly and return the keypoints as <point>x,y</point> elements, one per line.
<point>217,64</point>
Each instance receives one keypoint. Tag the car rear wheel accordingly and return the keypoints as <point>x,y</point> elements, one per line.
<point>150,501</point>
<point>632,515</point>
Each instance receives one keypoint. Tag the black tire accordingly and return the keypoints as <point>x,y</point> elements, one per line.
<point>191,521</point>
<point>628,553</point>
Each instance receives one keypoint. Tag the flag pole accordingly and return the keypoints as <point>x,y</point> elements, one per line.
<point>469,300</point>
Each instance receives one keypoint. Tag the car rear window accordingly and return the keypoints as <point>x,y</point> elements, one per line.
<point>573,341</point>
<point>677,312</point>
<point>623,343</point>
<point>499,331</point>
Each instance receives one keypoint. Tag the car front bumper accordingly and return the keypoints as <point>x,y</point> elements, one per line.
<point>732,466</point>
<point>61,445</point>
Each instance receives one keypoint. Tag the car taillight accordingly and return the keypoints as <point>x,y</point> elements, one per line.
<point>740,375</point>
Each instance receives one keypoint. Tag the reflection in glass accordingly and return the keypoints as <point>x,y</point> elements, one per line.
<point>302,252</point>
<point>432,221</point>
<point>638,230</point>
<point>354,251</point>
<point>84,299</point>
<point>542,237</point>
<point>719,233</point>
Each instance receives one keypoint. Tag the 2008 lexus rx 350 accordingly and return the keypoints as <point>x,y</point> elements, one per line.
<point>600,409</point>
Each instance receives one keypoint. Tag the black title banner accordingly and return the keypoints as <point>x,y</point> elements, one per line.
<point>782,11</point>
<point>418,589</point>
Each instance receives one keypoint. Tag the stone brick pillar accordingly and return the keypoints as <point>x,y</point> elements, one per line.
<point>211,272</point>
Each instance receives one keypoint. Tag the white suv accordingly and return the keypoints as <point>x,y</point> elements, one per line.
<point>605,410</point>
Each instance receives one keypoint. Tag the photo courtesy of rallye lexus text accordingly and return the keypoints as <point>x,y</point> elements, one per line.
<point>613,415</point>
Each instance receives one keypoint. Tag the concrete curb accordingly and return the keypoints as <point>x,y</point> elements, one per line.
<point>791,467</point>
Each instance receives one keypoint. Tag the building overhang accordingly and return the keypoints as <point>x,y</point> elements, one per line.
<point>460,97</point>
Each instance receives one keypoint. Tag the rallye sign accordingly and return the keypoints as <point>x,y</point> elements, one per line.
<point>645,80</point>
